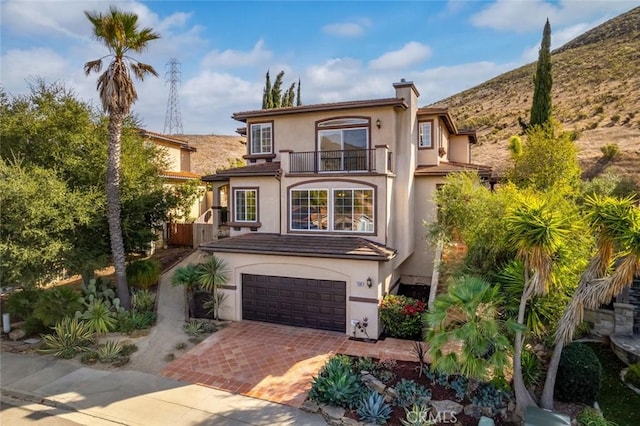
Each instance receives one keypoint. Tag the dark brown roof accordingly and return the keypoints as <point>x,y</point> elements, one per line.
<point>303,245</point>
<point>444,168</point>
<point>394,102</point>
<point>259,169</point>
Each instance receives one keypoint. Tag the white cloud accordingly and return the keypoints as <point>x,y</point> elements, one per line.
<point>235,58</point>
<point>410,54</point>
<point>530,15</point>
<point>347,29</point>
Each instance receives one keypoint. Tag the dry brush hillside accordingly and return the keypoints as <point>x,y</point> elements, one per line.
<point>214,152</point>
<point>596,92</point>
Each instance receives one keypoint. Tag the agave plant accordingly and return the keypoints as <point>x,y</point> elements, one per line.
<point>193,328</point>
<point>143,301</point>
<point>109,352</point>
<point>69,337</point>
<point>417,416</point>
<point>374,410</point>
<point>98,317</point>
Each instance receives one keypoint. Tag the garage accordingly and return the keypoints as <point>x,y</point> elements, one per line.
<point>301,302</point>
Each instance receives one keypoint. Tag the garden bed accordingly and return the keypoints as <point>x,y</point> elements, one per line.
<point>441,388</point>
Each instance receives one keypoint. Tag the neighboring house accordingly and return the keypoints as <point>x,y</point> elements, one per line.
<point>178,172</point>
<point>328,215</point>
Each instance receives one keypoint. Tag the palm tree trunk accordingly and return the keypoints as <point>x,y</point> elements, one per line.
<point>550,382</point>
<point>523,398</point>
<point>113,207</point>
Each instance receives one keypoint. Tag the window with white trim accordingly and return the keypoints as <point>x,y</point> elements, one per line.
<point>346,210</point>
<point>353,210</point>
<point>425,135</point>
<point>245,205</point>
<point>261,139</point>
<point>308,209</point>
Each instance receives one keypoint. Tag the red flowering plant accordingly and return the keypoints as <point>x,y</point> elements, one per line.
<point>401,316</point>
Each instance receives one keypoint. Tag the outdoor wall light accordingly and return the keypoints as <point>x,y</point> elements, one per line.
<point>369,282</point>
<point>378,123</point>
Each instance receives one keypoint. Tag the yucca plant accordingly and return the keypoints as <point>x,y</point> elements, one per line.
<point>109,352</point>
<point>98,317</point>
<point>143,301</point>
<point>69,337</point>
<point>214,303</point>
<point>374,410</point>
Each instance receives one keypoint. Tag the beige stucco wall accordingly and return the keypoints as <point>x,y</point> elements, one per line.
<point>419,266</point>
<point>353,272</point>
<point>173,156</point>
<point>459,149</point>
<point>268,202</point>
<point>297,132</point>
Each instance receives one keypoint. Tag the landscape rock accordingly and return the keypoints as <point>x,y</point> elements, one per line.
<point>446,409</point>
<point>487,411</point>
<point>331,412</point>
<point>373,383</point>
<point>473,410</point>
<point>310,407</point>
<point>486,421</point>
<point>17,334</point>
<point>347,421</point>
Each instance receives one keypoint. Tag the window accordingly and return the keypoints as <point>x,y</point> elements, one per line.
<point>309,209</point>
<point>343,144</point>
<point>353,210</point>
<point>261,139</point>
<point>347,210</point>
<point>245,207</point>
<point>425,134</point>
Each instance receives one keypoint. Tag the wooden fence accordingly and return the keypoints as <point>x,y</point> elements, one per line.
<point>180,234</point>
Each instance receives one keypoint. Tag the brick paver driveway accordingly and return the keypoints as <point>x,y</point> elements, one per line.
<point>271,362</point>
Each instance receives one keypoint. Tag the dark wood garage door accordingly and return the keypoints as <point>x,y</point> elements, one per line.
<point>295,301</point>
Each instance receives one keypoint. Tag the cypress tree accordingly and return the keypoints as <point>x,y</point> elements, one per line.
<point>289,97</point>
<point>276,91</point>
<point>298,101</point>
<point>267,100</point>
<point>541,107</point>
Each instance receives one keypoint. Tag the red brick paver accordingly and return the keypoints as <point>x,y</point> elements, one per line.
<point>272,362</point>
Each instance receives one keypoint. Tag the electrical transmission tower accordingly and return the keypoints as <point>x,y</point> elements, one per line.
<point>173,118</point>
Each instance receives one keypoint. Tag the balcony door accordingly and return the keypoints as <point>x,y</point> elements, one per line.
<point>343,149</point>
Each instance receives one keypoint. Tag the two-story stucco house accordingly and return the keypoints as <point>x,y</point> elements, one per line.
<point>328,215</point>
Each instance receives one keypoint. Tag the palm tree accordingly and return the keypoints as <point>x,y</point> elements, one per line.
<point>120,34</point>
<point>616,224</point>
<point>467,314</point>
<point>537,232</point>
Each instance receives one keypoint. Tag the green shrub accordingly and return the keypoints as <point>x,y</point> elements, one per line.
<point>633,374</point>
<point>143,273</point>
<point>592,417</point>
<point>579,375</point>
<point>193,328</point>
<point>610,152</point>
<point>109,352</point>
<point>373,409</point>
<point>69,337</point>
<point>530,368</point>
<point>21,302</point>
<point>56,304</point>
<point>364,364</point>
<point>401,316</point>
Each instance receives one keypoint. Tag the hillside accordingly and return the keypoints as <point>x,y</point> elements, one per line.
<point>596,93</point>
<point>214,151</point>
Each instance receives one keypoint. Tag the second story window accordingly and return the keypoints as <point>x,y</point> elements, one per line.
<point>245,205</point>
<point>425,134</point>
<point>261,139</point>
<point>343,144</point>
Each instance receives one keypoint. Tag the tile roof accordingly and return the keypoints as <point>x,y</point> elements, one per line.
<point>329,246</point>
<point>260,169</point>
<point>444,168</point>
<point>180,175</point>
<point>167,139</point>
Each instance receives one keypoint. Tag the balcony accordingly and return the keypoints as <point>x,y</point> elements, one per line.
<point>376,160</point>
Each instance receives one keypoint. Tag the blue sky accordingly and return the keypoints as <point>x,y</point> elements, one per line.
<point>339,50</point>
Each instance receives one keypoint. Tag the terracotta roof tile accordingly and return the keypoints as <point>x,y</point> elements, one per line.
<point>180,175</point>
<point>167,139</point>
<point>303,245</point>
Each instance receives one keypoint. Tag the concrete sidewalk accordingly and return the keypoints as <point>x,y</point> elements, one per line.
<point>134,398</point>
